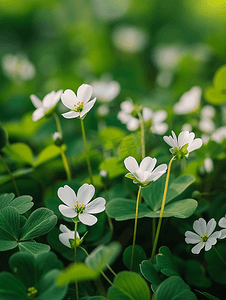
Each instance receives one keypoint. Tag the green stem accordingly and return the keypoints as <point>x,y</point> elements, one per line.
<point>76,282</point>
<point>219,255</point>
<point>86,151</point>
<point>64,158</point>
<point>162,210</point>
<point>11,175</point>
<point>142,134</point>
<point>135,228</point>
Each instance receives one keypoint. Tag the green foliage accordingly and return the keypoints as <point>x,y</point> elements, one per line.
<point>22,203</point>
<point>113,166</point>
<point>111,136</point>
<point>3,137</point>
<point>166,263</point>
<point>128,286</point>
<point>16,174</point>
<point>150,273</point>
<point>48,153</point>
<point>211,297</point>
<point>195,274</point>
<point>130,146</point>
<point>139,255</point>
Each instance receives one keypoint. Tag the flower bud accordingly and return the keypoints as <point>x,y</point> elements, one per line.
<point>58,139</point>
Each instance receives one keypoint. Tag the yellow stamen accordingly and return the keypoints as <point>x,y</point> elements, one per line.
<point>204,238</point>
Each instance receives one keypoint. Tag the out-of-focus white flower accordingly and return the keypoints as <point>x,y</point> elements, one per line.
<point>189,101</point>
<point>219,135</point>
<point>207,125</point>
<point>103,110</point>
<point>46,105</point>
<point>167,56</point>
<point>143,174</point>
<point>186,127</point>
<point>130,39</point>
<point>127,108</point>
<point>156,118</point>
<point>205,138</point>
<point>80,104</point>
<point>184,145</point>
<point>58,139</point>
<point>105,91</point>
<point>208,164</point>
<point>78,206</point>
<point>222,223</point>
<point>18,67</point>
<point>110,10</point>
<point>164,78</point>
<point>207,111</point>
<point>67,235</point>
<point>103,173</point>
<point>204,236</point>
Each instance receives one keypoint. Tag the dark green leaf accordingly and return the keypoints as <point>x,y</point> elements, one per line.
<point>150,273</point>
<point>11,288</point>
<point>31,247</point>
<point>139,255</point>
<point>166,263</point>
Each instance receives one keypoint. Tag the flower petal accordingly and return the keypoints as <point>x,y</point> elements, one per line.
<point>64,238</point>
<point>169,140</point>
<point>84,93</point>
<point>158,172</point>
<point>209,243</point>
<point>36,101</point>
<point>223,234</point>
<point>131,164</point>
<point>87,107</point>
<point>69,98</point>
<point>222,222</point>
<point>67,195</point>
<point>95,206</point>
<point>47,100</point>
<point>196,144</point>
<point>147,114</point>
<point>200,226</point>
<point>182,138</point>
<point>85,193</point>
<point>160,128</point>
<point>210,226</point>
<point>56,97</point>
<point>71,114</point>
<point>159,116</point>
<point>132,124</point>
<point>197,248</point>
<point>67,211</point>
<point>38,114</point>
<point>64,228</point>
<point>191,237</point>
<point>87,219</point>
<point>148,164</point>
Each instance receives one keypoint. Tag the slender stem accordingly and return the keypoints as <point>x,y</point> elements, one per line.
<point>64,158</point>
<point>11,175</point>
<point>75,247</point>
<point>219,255</point>
<point>86,151</point>
<point>162,209</point>
<point>108,280</point>
<point>135,228</point>
<point>142,134</point>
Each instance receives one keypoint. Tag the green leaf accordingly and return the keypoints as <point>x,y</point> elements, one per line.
<point>113,166</point>
<point>211,297</point>
<point>150,273</point>
<point>20,152</point>
<point>195,274</point>
<point>76,272</point>
<point>130,146</point>
<point>48,153</point>
<point>11,288</point>
<point>219,80</point>
<point>178,186</point>
<point>124,209</point>
<point>111,136</point>
<point>174,288</point>
<point>31,247</point>
<point>103,255</point>
<point>214,96</point>
<point>9,228</point>
<point>41,221</point>
<point>16,174</point>
<point>128,285</point>
<point>22,204</point>
<point>139,255</point>
<point>216,267</point>
<point>166,263</point>
<point>3,137</point>
<point>5,200</point>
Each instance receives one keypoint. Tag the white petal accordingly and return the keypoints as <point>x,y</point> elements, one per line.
<point>197,248</point>
<point>200,226</point>
<point>216,235</point>
<point>197,143</point>
<point>84,93</point>
<point>123,117</point>
<point>38,114</point>
<point>147,114</point>
<point>87,107</point>
<point>36,101</point>
<point>127,106</point>
<point>222,222</point>
<point>182,138</point>
<point>47,100</point>
<point>158,172</point>
<point>210,226</point>
<point>71,114</point>
<point>67,195</point>
<point>64,228</point>
<point>209,243</point>
<point>190,138</point>
<point>64,238</point>
<point>160,128</point>
<point>132,124</point>
<point>69,99</point>
<point>148,164</point>
<point>87,219</point>
<point>159,116</point>
<point>57,97</point>
<point>223,234</point>
<point>85,193</point>
<point>174,137</point>
<point>191,237</point>
<point>169,141</point>
<point>131,164</point>
<point>67,211</point>
<point>95,206</point>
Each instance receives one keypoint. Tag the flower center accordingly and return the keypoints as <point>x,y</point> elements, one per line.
<point>204,238</point>
<point>79,208</point>
<point>32,292</point>
<point>78,106</point>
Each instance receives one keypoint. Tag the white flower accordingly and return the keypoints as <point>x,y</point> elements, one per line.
<point>207,111</point>
<point>105,91</point>
<point>167,56</point>
<point>42,107</point>
<point>219,135</point>
<point>157,119</point>
<point>103,110</point>
<point>208,165</point>
<point>207,125</point>
<point>185,143</point>
<point>78,206</point>
<point>204,236</point>
<point>80,104</point>
<point>67,235</point>
<point>186,127</point>
<point>189,101</point>
<point>222,223</point>
<point>144,173</point>
<point>127,108</point>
